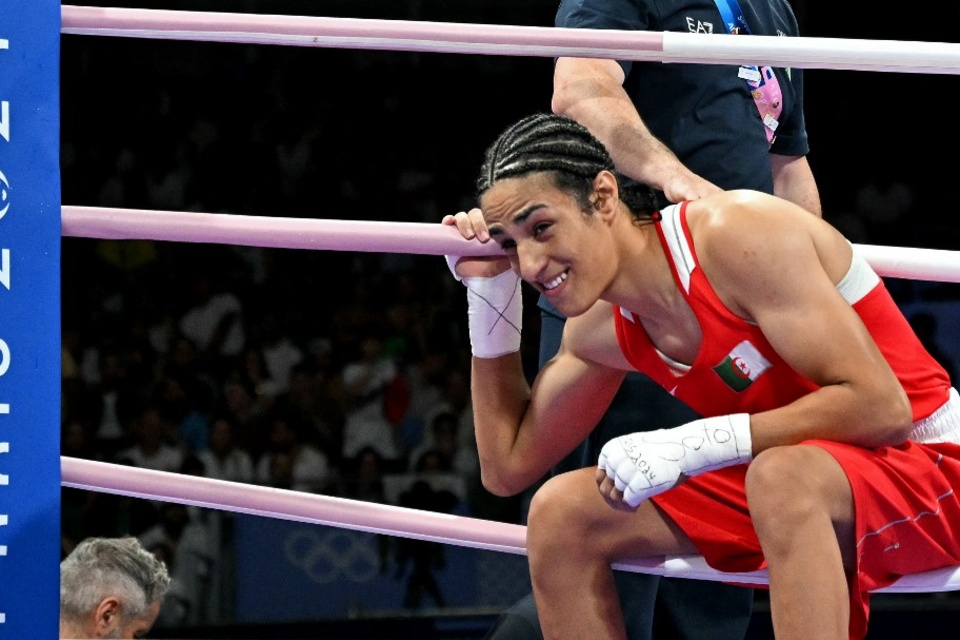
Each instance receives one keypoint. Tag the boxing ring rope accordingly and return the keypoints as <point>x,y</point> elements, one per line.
<point>389,237</point>
<point>299,506</point>
<point>445,37</point>
<point>433,238</point>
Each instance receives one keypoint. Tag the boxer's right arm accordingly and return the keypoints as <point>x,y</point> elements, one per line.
<point>522,431</point>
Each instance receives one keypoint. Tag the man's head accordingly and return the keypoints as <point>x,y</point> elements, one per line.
<point>110,588</point>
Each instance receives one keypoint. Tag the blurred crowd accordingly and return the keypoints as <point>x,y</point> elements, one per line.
<point>332,375</point>
<point>339,373</point>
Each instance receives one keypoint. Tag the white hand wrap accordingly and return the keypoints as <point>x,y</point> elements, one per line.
<point>646,463</point>
<point>494,312</point>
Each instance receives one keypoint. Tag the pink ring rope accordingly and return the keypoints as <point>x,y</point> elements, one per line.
<point>445,37</point>
<point>357,515</point>
<point>389,237</point>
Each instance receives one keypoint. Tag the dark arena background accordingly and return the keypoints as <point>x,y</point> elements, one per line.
<point>378,135</point>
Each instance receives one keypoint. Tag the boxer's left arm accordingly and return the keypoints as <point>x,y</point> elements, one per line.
<point>781,274</point>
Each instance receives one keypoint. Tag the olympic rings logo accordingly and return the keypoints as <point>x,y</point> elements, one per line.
<point>327,555</point>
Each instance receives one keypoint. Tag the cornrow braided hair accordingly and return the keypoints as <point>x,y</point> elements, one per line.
<point>561,146</point>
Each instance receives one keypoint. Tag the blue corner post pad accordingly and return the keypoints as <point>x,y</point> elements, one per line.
<point>29,319</point>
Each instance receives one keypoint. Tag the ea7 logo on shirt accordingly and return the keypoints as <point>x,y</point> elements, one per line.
<point>698,26</point>
<point>742,366</point>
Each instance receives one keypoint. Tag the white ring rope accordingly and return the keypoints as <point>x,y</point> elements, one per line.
<point>447,37</point>
<point>389,237</point>
<point>300,506</point>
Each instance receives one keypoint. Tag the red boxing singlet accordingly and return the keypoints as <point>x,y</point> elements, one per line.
<point>907,512</point>
<point>736,369</point>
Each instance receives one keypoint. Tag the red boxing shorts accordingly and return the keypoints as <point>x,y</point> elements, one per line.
<point>907,515</point>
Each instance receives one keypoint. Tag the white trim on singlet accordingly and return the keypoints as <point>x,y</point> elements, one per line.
<point>677,243</point>
<point>858,282</point>
<point>860,279</point>
<point>677,368</point>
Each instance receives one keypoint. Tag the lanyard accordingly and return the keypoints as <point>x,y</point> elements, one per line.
<point>732,16</point>
<point>763,83</point>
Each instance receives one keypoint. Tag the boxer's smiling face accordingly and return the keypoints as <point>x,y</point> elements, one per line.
<point>553,244</point>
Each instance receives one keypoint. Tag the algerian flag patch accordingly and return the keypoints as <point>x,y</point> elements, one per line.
<point>742,366</point>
